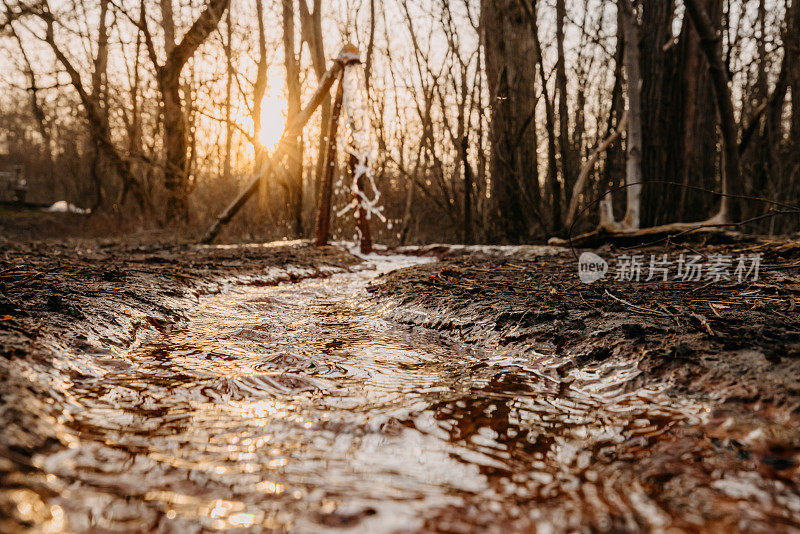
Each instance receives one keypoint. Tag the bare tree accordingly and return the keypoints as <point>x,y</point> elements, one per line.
<point>711,44</point>
<point>226,172</point>
<point>311,33</point>
<point>792,50</point>
<point>509,47</point>
<point>168,77</point>
<point>633,172</point>
<point>95,113</point>
<point>567,165</point>
<point>293,181</point>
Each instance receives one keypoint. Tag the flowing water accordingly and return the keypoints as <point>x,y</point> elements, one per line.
<point>302,407</point>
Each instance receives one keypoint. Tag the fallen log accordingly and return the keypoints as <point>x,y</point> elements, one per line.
<point>710,230</point>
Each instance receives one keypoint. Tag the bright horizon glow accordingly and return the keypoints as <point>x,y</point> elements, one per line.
<point>273,110</point>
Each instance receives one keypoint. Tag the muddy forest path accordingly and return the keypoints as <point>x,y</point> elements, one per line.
<point>302,407</point>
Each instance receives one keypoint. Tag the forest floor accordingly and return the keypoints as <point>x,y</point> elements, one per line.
<point>736,345</point>
<point>739,341</point>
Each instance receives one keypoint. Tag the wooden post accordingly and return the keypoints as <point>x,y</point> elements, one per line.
<point>289,136</point>
<point>328,168</point>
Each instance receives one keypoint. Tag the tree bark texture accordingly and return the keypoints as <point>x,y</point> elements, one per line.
<point>510,58</point>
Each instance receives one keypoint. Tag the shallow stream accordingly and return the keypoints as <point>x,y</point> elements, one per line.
<point>302,407</point>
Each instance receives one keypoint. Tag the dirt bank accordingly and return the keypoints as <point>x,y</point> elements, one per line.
<point>737,341</point>
<point>63,305</point>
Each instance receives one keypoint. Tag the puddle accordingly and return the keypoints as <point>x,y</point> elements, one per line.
<point>298,407</point>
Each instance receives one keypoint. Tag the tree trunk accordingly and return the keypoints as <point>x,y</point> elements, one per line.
<point>294,160</point>
<point>168,25</point>
<point>226,170</point>
<point>567,163</point>
<point>405,226</point>
<point>311,30</point>
<point>552,162</point>
<point>176,142</point>
<point>468,179</point>
<point>792,50</point>
<point>698,164</point>
<point>692,76</point>
<point>259,92</point>
<point>711,44</point>
<point>660,111</point>
<point>176,145</point>
<point>613,172</point>
<point>633,168</point>
<point>509,49</point>
<point>326,187</point>
<point>370,47</point>
<point>100,66</point>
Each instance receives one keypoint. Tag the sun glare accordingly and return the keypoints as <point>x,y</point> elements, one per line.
<point>273,111</point>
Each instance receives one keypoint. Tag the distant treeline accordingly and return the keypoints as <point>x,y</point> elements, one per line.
<point>495,120</point>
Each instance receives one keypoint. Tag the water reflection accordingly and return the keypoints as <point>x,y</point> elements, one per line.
<point>299,408</point>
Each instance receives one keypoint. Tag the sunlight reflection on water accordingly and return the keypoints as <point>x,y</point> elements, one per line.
<point>299,407</point>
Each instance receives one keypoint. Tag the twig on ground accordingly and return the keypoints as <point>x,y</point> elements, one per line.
<point>703,322</point>
<point>634,306</point>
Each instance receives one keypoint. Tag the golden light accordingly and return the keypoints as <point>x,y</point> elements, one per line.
<point>273,111</point>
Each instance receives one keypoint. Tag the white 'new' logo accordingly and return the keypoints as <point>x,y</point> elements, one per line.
<point>591,268</point>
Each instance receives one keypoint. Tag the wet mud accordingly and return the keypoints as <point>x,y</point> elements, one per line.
<point>299,389</point>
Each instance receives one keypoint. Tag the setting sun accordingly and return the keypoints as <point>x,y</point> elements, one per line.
<point>273,111</point>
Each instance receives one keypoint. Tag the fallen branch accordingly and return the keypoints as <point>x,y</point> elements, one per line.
<point>635,307</point>
<point>289,136</point>
<point>712,225</point>
<point>717,224</point>
<point>701,319</point>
